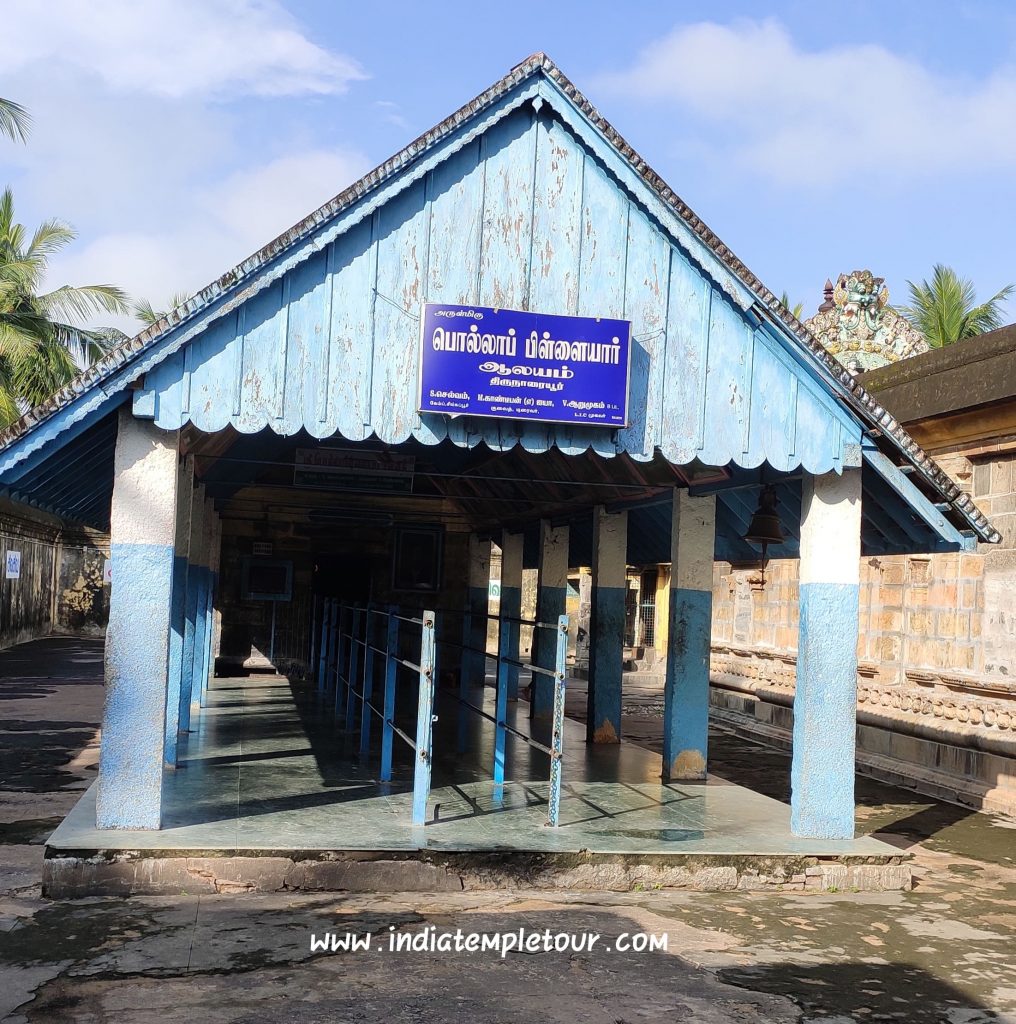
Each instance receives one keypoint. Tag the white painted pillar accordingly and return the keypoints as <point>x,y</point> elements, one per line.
<point>551,598</point>
<point>825,702</point>
<point>142,537</point>
<point>689,631</point>
<point>606,626</point>
<point>511,600</point>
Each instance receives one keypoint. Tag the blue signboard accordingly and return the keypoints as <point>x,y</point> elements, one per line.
<point>478,361</point>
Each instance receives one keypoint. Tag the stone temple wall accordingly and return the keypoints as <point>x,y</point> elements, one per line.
<point>936,654</point>
<point>61,586</point>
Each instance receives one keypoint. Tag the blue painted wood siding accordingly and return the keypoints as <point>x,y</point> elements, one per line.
<point>526,215</point>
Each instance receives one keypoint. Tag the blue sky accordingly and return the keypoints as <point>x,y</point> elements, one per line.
<point>180,135</point>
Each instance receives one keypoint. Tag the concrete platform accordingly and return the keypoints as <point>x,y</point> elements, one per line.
<point>270,795</point>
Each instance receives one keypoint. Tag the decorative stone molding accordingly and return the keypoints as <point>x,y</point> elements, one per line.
<point>770,674</point>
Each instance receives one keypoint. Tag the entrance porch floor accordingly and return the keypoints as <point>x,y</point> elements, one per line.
<point>267,769</point>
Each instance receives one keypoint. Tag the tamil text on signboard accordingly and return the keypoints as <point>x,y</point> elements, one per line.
<point>347,469</point>
<point>478,361</point>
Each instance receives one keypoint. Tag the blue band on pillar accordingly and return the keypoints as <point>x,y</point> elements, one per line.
<point>134,717</point>
<point>606,665</point>
<point>176,637</point>
<point>686,691</point>
<point>822,772</point>
<point>550,603</point>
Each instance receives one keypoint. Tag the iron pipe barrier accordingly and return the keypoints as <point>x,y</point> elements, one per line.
<point>350,652</point>
<point>507,633</point>
<point>350,655</point>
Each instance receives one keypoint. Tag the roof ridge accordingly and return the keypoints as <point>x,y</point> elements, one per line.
<point>860,400</point>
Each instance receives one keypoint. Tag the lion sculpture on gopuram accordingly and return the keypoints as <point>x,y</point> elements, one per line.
<point>859,327</point>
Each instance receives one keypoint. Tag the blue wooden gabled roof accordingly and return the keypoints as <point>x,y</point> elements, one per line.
<point>525,198</point>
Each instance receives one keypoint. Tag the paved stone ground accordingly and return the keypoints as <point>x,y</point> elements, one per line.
<point>944,952</point>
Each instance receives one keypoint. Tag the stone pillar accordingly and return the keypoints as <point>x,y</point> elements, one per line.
<point>689,628</point>
<point>511,600</point>
<point>179,614</point>
<point>822,774</point>
<point>142,537</point>
<point>584,619</point>
<point>474,665</point>
<point>208,607</point>
<point>551,596</point>
<point>216,565</point>
<point>192,625</point>
<point>606,626</point>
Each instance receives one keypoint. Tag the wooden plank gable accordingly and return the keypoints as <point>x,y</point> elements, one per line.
<point>527,216</point>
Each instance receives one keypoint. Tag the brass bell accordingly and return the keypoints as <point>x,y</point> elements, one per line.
<point>764,528</point>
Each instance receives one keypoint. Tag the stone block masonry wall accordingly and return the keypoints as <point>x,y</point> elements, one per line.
<point>61,588</point>
<point>936,653</point>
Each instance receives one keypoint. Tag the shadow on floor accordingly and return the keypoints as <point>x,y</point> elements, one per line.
<point>864,991</point>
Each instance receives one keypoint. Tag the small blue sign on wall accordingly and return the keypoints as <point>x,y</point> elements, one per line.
<point>510,364</point>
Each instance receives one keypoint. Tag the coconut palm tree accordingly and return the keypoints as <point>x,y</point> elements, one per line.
<point>945,310</point>
<point>797,308</point>
<point>148,314</point>
<point>42,341</point>
<point>15,121</point>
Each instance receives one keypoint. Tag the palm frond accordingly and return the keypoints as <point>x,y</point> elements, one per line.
<point>10,410</point>
<point>52,367</point>
<point>87,347</point>
<point>146,312</point>
<point>79,303</point>
<point>149,315</point>
<point>16,342</point>
<point>944,309</point>
<point>15,120</point>
<point>796,309</point>
<point>43,342</point>
<point>50,237</point>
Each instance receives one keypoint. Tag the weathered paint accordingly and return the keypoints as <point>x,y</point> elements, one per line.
<point>825,702</point>
<point>143,520</point>
<point>178,613</point>
<point>526,194</point>
<point>178,618</point>
<point>530,214</point>
<point>511,603</point>
<point>606,627</point>
<point>550,605</point>
<point>686,690</point>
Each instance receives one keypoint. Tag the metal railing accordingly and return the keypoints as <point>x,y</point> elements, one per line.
<point>352,648</point>
<point>355,640</point>
<point>506,682</point>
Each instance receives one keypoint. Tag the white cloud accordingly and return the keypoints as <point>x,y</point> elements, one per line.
<point>220,225</point>
<point>255,205</point>
<point>152,137</point>
<point>175,48</point>
<point>822,117</point>
<point>391,113</point>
